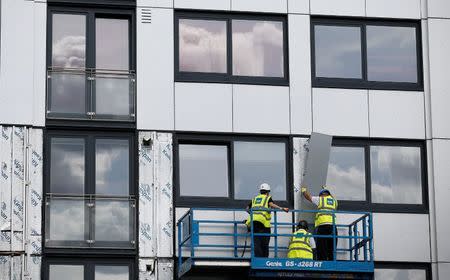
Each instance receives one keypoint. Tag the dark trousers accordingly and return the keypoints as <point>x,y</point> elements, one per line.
<point>261,243</point>
<point>324,245</point>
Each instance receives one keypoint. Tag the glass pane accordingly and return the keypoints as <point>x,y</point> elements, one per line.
<point>391,54</point>
<point>258,48</point>
<point>67,93</point>
<point>112,95</point>
<point>66,272</point>
<point>103,272</point>
<point>202,46</point>
<point>338,51</point>
<point>69,41</point>
<point>67,220</point>
<point>396,174</point>
<point>203,170</point>
<point>400,274</point>
<point>112,220</point>
<point>112,44</point>
<point>256,163</point>
<point>67,168</point>
<point>112,166</point>
<point>346,173</point>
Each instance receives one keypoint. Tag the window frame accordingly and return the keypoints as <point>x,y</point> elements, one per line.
<point>364,83</point>
<point>181,76</point>
<point>367,204</point>
<point>405,266</point>
<point>227,202</point>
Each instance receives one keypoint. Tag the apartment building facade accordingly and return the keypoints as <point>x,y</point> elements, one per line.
<point>117,116</point>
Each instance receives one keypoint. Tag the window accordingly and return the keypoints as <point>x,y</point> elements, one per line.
<point>224,171</point>
<point>395,271</point>
<point>378,175</point>
<point>231,48</point>
<point>88,269</point>
<point>90,190</point>
<point>366,54</point>
<point>90,65</point>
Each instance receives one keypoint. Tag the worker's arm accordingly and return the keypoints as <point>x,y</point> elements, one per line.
<point>274,206</point>
<point>306,194</point>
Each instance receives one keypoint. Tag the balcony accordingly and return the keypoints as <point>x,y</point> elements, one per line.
<point>205,243</point>
<point>90,222</point>
<point>91,94</point>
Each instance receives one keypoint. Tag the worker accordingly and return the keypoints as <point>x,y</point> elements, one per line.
<point>325,223</point>
<point>261,217</point>
<point>300,246</point>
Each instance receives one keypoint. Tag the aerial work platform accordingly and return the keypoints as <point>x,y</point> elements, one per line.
<point>225,243</point>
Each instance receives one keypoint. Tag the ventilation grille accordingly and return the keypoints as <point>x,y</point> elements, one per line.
<point>146,16</point>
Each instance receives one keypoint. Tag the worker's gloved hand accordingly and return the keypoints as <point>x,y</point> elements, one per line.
<point>303,189</point>
<point>286,209</point>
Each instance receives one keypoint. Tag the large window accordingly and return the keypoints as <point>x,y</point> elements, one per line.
<point>88,269</point>
<point>226,171</point>
<point>402,271</point>
<point>90,65</point>
<point>378,175</point>
<point>231,48</point>
<point>90,190</point>
<point>366,54</point>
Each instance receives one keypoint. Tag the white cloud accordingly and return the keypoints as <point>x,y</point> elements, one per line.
<point>69,52</point>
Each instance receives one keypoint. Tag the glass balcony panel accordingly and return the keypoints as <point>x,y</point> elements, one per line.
<point>112,220</point>
<point>111,272</point>
<point>67,219</point>
<point>67,272</point>
<point>67,93</point>
<point>114,95</point>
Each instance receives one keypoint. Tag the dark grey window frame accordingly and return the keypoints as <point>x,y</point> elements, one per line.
<point>364,83</point>
<point>120,247</point>
<point>367,204</point>
<point>406,266</point>
<point>229,77</point>
<point>89,264</point>
<point>229,201</point>
<point>92,11</point>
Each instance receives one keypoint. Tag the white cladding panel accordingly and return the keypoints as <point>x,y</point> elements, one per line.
<point>340,112</point>
<point>203,4</point>
<point>155,3</point>
<point>393,233</point>
<point>155,68</point>
<point>204,107</point>
<point>17,76</point>
<point>40,54</point>
<point>394,8</point>
<point>439,8</point>
<point>396,114</point>
<point>261,109</point>
<point>266,6</point>
<point>298,7</point>
<point>338,7</point>
<point>300,73</point>
<point>11,267</point>
<point>439,69</point>
<point>444,270</point>
<point>299,156</point>
<point>441,162</point>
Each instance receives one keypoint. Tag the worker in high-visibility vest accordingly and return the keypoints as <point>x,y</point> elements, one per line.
<point>261,206</point>
<point>300,246</point>
<point>325,223</point>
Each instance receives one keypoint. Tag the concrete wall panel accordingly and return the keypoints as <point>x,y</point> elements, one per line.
<point>439,8</point>
<point>393,8</point>
<point>155,68</point>
<point>261,109</point>
<point>340,112</point>
<point>298,6</point>
<point>396,114</point>
<point>203,107</point>
<point>300,74</point>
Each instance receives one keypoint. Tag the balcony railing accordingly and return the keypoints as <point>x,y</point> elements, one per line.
<point>90,222</point>
<point>91,94</point>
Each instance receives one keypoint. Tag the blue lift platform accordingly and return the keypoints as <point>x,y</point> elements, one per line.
<point>209,244</point>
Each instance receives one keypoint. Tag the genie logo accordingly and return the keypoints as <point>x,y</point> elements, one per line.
<point>145,156</point>
<point>36,247</point>
<point>145,231</point>
<point>4,170</point>
<point>167,151</point>
<point>19,209</point>
<point>35,158</point>
<point>18,169</point>
<point>4,236</point>
<point>4,135</point>
<point>145,192</point>
<point>35,198</point>
<point>19,132</point>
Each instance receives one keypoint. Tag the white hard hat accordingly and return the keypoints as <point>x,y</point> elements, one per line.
<point>264,187</point>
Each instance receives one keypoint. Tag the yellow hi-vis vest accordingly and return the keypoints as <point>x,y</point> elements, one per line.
<point>300,248</point>
<point>261,210</point>
<point>326,204</point>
